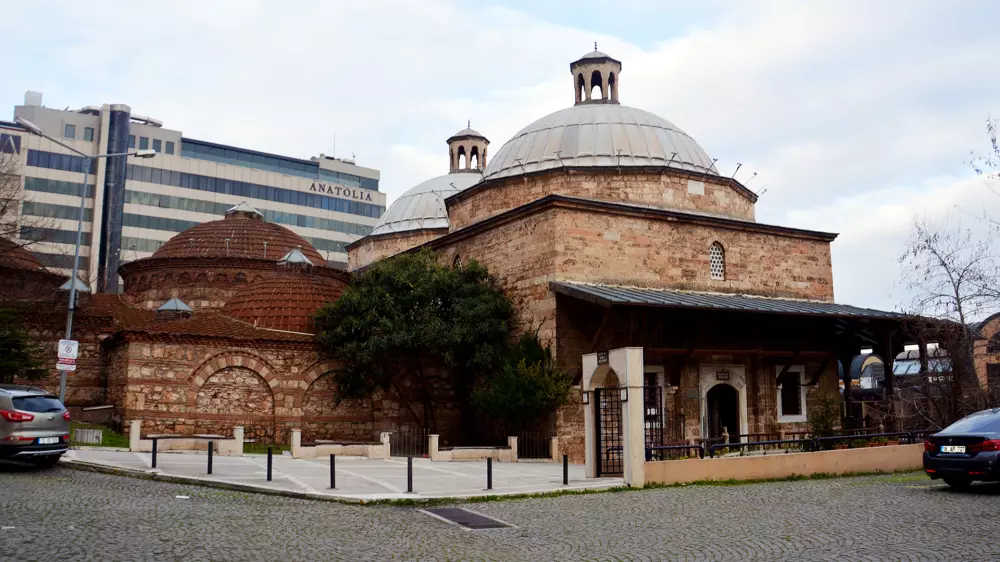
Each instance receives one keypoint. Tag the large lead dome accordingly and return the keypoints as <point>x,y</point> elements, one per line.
<point>598,132</point>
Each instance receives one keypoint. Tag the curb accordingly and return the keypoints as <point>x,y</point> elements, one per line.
<point>159,477</point>
<point>249,488</point>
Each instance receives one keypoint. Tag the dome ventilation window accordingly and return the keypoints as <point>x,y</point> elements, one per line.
<point>173,309</point>
<point>244,210</point>
<point>81,287</point>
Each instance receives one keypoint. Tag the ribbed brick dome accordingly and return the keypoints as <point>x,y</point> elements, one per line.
<point>16,257</point>
<point>284,302</point>
<point>246,233</point>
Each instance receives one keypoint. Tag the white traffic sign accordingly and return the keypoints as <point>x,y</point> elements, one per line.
<point>68,349</point>
<point>66,364</point>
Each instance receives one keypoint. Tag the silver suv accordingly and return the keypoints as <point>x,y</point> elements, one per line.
<point>34,425</point>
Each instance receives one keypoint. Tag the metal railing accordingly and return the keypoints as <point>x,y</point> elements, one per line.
<point>534,445</point>
<point>815,443</point>
<point>409,442</point>
<point>673,452</point>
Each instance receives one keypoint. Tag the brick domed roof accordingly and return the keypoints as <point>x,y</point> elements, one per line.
<point>284,302</point>
<point>16,257</point>
<point>248,236</point>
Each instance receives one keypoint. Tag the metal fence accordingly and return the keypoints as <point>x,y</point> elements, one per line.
<point>258,437</point>
<point>813,444</point>
<point>408,442</point>
<point>534,445</point>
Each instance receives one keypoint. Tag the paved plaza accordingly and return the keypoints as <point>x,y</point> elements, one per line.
<point>357,478</point>
<point>63,514</point>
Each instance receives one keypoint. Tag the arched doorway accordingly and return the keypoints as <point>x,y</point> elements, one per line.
<point>723,402</point>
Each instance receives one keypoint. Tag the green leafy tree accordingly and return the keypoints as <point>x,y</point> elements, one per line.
<point>824,416</point>
<point>528,385</point>
<point>19,356</point>
<point>414,327</point>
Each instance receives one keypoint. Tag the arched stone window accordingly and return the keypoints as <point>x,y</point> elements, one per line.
<point>581,88</point>
<point>717,261</point>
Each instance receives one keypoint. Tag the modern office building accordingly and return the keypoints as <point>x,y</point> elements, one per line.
<point>134,206</point>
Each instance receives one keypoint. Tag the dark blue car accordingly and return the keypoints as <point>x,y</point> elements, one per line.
<point>966,450</point>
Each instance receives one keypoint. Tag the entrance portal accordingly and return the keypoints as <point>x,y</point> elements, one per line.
<point>723,412</point>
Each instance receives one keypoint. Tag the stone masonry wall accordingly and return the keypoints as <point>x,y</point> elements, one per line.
<point>621,250</point>
<point>983,359</point>
<point>374,248</point>
<point>669,190</point>
<point>191,387</point>
<point>199,286</point>
<point>521,254</point>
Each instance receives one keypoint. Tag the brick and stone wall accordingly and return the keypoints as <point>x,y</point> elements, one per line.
<point>373,248</point>
<point>201,386</point>
<point>986,361</point>
<point>198,287</point>
<point>664,189</point>
<point>645,252</point>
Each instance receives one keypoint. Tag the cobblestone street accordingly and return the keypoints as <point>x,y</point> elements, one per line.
<point>63,514</point>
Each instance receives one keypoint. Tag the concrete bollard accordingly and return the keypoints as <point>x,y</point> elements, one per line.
<point>238,438</point>
<point>296,443</point>
<point>432,447</point>
<point>384,438</point>
<point>512,443</point>
<point>135,426</point>
<point>554,449</point>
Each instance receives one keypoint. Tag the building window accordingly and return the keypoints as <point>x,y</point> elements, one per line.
<point>993,345</point>
<point>169,147</point>
<point>791,394</point>
<point>157,145</point>
<point>717,261</point>
<point>143,143</point>
<point>88,134</point>
<point>993,377</point>
<point>69,131</point>
<point>131,141</point>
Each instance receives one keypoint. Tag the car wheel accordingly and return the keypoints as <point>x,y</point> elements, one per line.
<point>958,483</point>
<point>46,461</point>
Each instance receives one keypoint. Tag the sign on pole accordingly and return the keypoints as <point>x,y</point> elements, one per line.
<point>68,350</point>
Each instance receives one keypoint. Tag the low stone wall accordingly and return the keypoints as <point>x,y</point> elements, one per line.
<point>224,447</point>
<point>783,465</point>
<point>499,454</point>
<point>378,450</point>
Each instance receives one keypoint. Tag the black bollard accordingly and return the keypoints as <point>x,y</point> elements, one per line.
<point>565,470</point>
<point>409,475</point>
<point>489,473</point>
<point>268,464</point>
<point>333,471</point>
<point>210,443</point>
<point>154,452</point>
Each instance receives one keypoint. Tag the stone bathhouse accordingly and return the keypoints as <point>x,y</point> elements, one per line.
<point>212,331</point>
<point>608,226</point>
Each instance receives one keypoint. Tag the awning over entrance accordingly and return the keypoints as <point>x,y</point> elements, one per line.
<point>614,295</point>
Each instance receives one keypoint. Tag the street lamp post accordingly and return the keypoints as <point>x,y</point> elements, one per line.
<point>74,279</point>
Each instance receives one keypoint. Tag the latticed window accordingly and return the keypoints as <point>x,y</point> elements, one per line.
<point>717,261</point>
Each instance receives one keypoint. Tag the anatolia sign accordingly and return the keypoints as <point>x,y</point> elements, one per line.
<point>722,375</point>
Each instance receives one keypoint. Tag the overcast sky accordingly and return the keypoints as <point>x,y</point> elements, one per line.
<point>857,116</point>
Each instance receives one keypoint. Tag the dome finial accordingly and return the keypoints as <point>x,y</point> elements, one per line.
<point>595,46</point>
<point>468,124</point>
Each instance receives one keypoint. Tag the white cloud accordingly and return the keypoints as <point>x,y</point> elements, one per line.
<point>840,107</point>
